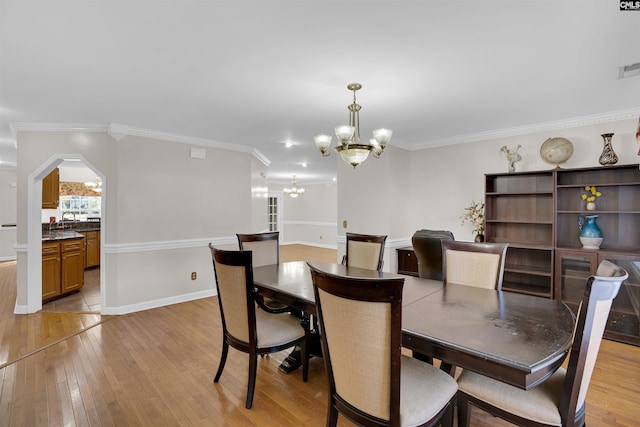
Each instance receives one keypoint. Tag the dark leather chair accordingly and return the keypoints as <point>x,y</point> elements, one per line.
<point>560,400</point>
<point>428,249</point>
<point>246,329</point>
<point>364,251</point>
<point>375,385</point>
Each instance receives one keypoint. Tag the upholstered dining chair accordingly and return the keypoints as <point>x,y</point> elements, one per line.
<point>265,247</point>
<point>364,251</point>
<point>266,251</point>
<point>560,400</point>
<point>370,382</point>
<point>246,329</point>
<point>428,249</point>
<point>473,264</point>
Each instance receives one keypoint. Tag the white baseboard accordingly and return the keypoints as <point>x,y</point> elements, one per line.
<point>146,305</point>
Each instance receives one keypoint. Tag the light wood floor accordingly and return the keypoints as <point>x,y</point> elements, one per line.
<point>155,367</point>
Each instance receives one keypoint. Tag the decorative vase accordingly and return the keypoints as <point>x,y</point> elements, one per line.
<point>590,234</point>
<point>512,166</point>
<point>591,206</point>
<point>479,238</point>
<point>608,156</point>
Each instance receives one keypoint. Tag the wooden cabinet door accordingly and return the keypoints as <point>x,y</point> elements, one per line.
<point>623,323</point>
<point>72,265</point>
<point>50,270</point>
<point>92,248</point>
<point>51,190</point>
<point>573,268</point>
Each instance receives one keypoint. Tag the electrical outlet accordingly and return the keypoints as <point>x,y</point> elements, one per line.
<point>193,275</point>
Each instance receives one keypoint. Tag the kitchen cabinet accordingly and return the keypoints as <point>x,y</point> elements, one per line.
<point>51,190</point>
<point>92,248</point>
<point>51,276</point>
<point>72,265</point>
<point>62,267</point>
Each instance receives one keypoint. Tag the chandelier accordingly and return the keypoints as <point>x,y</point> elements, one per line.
<point>351,149</point>
<point>95,185</point>
<point>294,191</point>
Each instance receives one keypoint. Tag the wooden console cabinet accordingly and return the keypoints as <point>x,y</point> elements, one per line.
<point>537,214</point>
<point>62,267</point>
<point>407,261</point>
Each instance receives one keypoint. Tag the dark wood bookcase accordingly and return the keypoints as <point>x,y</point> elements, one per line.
<point>537,214</point>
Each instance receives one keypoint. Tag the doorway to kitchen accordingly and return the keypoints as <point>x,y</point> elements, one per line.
<point>91,298</point>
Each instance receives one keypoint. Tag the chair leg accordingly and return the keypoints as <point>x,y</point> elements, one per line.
<point>223,360</point>
<point>253,369</point>
<point>464,414</point>
<point>332,415</point>
<point>304,348</point>
<point>447,418</point>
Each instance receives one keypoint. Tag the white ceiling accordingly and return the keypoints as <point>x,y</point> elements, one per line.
<point>261,73</point>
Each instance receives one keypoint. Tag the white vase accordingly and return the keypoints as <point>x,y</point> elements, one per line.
<point>591,206</point>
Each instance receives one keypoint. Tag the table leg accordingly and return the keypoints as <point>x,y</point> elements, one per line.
<point>294,360</point>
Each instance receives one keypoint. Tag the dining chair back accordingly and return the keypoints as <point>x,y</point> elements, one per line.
<point>246,329</point>
<point>364,251</point>
<point>560,400</point>
<point>265,247</point>
<point>427,245</point>
<point>473,264</point>
<point>370,381</point>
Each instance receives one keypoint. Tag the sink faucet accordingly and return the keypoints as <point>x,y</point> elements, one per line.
<point>62,219</point>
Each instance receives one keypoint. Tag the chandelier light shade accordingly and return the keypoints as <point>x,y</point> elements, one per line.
<point>95,185</point>
<point>294,191</point>
<point>351,148</point>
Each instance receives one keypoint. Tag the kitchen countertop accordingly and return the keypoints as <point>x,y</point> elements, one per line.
<point>51,236</point>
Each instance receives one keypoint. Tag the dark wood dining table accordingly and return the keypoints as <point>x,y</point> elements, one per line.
<point>515,338</point>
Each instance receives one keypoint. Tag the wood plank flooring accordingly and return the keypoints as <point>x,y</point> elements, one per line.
<point>156,367</point>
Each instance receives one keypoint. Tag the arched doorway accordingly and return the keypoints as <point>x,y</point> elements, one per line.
<point>34,230</point>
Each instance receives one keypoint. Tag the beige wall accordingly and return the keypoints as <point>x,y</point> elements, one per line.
<point>8,198</point>
<point>311,218</point>
<point>162,208</point>
<point>446,179</point>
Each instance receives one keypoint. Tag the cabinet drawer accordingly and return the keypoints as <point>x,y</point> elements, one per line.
<point>50,248</point>
<point>91,234</point>
<point>73,245</point>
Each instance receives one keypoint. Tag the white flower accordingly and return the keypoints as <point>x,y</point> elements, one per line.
<point>474,214</point>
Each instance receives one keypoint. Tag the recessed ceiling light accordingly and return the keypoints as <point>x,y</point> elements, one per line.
<point>288,144</point>
<point>304,164</point>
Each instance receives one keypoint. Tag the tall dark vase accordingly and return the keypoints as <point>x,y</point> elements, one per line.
<point>608,156</point>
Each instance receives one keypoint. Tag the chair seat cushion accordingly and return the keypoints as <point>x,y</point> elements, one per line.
<point>538,404</point>
<point>277,329</point>
<point>424,391</point>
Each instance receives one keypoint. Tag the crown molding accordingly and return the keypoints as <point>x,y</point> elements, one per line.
<point>57,127</point>
<point>119,131</point>
<point>593,119</point>
<point>261,157</point>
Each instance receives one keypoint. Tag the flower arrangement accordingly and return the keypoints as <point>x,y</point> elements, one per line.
<point>474,214</point>
<point>592,193</point>
<point>512,155</point>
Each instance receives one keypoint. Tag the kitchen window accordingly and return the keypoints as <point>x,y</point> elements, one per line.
<point>84,207</point>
